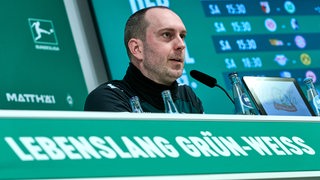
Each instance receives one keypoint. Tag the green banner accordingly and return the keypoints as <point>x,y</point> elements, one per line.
<point>39,63</point>
<point>127,145</point>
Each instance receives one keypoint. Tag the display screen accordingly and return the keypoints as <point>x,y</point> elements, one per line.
<point>277,96</point>
<point>278,38</point>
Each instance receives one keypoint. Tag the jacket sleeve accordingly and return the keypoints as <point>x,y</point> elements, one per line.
<point>192,104</point>
<point>107,98</point>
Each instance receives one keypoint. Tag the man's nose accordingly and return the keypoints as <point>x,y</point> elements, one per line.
<point>179,43</point>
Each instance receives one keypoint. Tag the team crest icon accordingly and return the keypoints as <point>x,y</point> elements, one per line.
<point>43,31</point>
<point>265,7</point>
<point>305,59</point>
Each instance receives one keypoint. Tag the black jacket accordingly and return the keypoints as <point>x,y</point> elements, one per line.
<point>113,96</point>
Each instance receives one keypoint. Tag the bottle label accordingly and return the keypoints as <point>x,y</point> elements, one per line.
<point>246,101</point>
<point>316,100</point>
<point>316,104</point>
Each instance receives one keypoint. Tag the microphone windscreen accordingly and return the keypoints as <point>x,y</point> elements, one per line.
<point>203,78</point>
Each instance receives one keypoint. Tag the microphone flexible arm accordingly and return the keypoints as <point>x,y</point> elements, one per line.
<point>225,92</point>
<point>209,81</point>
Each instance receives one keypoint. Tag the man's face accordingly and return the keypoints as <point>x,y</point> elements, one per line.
<point>164,48</point>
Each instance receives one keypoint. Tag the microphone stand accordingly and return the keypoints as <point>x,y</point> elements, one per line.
<point>225,92</point>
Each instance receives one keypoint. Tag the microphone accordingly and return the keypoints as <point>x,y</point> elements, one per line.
<point>209,81</point>
<point>204,78</point>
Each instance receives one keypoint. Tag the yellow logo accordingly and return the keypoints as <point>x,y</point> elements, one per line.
<point>305,59</point>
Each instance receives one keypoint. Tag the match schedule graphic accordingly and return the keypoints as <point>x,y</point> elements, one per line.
<point>259,38</point>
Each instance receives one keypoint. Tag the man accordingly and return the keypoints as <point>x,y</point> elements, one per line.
<point>154,39</point>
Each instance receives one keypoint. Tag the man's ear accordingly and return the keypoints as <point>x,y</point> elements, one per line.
<point>136,48</point>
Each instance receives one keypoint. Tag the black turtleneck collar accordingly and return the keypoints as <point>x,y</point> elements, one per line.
<point>146,89</point>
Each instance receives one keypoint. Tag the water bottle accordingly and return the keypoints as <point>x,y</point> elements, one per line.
<point>169,106</point>
<point>242,101</point>
<point>312,95</point>
<point>135,105</point>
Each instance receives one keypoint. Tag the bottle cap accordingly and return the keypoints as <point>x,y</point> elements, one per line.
<point>308,80</point>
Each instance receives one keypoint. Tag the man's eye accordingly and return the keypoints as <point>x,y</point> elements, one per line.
<point>183,36</point>
<point>166,35</point>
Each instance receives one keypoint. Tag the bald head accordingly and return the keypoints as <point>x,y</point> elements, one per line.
<point>138,22</point>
